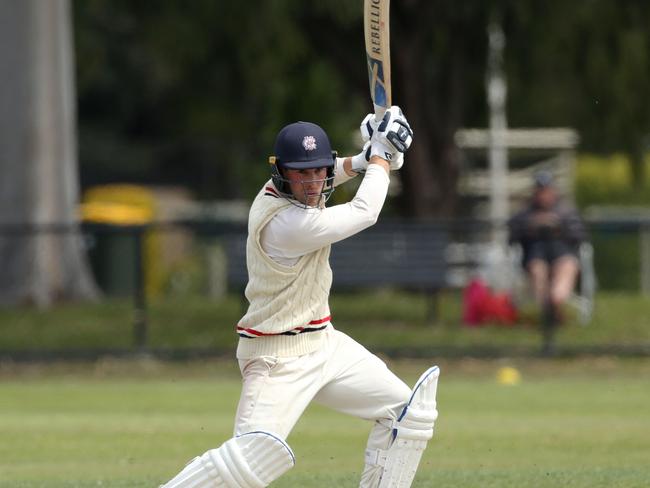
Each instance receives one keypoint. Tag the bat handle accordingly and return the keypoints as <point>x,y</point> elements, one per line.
<point>379,112</point>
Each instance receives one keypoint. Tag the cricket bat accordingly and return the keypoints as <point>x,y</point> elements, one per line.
<point>377,36</point>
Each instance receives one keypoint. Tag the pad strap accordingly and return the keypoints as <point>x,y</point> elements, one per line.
<point>376,457</point>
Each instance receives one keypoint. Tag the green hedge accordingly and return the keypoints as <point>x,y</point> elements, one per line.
<point>608,181</point>
<point>604,180</point>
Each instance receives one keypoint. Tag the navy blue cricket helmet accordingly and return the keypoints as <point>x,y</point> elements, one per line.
<point>302,145</point>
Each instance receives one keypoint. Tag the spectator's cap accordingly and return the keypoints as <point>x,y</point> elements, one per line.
<point>543,179</point>
<point>303,145</point>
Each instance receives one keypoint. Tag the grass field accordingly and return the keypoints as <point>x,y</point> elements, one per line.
<point>580,423</point>
<point>381,320</point>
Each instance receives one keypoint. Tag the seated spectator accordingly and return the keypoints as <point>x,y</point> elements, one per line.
<point>549,233</point>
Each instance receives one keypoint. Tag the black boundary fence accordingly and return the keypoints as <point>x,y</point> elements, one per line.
<point>412,254</point>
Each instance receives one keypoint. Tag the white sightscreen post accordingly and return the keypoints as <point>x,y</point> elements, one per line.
<point>498,151</point>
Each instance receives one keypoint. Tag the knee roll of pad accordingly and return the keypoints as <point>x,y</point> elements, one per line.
<point>251,460</point>
<point>416,424</point>
<point>419,415</point>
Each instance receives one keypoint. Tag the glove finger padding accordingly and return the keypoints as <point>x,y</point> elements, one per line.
<point>394,130</point>
<point>368,127</point>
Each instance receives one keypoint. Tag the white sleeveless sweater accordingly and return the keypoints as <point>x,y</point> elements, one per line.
<point>288,305</point>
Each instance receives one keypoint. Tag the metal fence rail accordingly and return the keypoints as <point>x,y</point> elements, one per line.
<point>416,255</point>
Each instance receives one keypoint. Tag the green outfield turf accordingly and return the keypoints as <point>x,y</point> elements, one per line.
<point>382,320</point>
<point>134,424</point>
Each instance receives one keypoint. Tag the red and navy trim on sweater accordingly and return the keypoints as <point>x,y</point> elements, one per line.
<point>269,191</point>
<point>248,333</point>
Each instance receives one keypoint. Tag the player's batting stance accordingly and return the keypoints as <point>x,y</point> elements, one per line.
<point>289,352</point>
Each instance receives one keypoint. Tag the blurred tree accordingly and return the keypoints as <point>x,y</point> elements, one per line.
<point>217,91</point>
<point>439,53</point>
<point>438,59</point>
<point>38,157</point>
<point>615,62</point>
<point>585,64</point>
<point>193,93</point>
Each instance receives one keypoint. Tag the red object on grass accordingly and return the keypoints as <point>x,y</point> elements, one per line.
<point>481,306</point>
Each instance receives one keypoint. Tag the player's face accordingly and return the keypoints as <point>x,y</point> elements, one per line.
<point>307,184</point>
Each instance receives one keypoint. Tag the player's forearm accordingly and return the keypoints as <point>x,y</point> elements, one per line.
<point>344,171</point>
<point>341,221</point>
<point>380,162</point>
<point>363,210</point>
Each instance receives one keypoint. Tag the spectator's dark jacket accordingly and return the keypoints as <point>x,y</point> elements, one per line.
<point>568,228</point>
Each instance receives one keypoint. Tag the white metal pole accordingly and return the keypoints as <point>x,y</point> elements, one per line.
<point>498,127</point>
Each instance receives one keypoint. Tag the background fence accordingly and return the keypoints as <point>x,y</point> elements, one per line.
<point>200,266</point>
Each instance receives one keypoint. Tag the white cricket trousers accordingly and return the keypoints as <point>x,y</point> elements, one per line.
<point>342,375</point>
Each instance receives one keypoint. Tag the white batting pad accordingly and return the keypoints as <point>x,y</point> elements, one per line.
<point>251,460</point>
<point>424,392</point>
<point>411,433</point>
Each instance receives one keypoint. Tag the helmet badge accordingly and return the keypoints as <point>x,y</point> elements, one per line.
<point>309,143</point>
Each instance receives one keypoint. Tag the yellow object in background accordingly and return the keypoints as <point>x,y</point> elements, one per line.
<point>508,375</point>
<point>115,213</point>
<point>118,204</point>
<point>127,205</point>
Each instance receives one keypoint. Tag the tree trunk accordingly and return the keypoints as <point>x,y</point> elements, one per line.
<point>39,185</point>
<point>430,83</point>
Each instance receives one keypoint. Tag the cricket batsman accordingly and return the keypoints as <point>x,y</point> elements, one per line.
<point>289,352</point>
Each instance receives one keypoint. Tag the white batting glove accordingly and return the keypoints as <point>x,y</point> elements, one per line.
<point>394,131</point>
<point>368,127</point>
<point>359,163</point>
<point>384,151</point>
<point>395,163</point>
<point>395,160</point>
